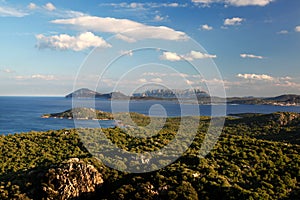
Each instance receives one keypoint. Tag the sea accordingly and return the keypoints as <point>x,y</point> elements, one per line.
<point>23,114</point>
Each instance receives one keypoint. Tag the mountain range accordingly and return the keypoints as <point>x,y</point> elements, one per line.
<point>202,96</point>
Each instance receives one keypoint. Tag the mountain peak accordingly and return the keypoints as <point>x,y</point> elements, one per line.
<point>83,93</point>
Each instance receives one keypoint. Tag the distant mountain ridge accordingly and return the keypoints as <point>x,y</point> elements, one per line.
<point>202,96</point>
<point>87,93</point>
<point>282,100</point>
<point>166,93</point>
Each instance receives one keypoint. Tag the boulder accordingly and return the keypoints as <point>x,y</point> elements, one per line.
<point>73,179</point>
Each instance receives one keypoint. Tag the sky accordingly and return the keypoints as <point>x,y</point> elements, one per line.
<point>248,47</point>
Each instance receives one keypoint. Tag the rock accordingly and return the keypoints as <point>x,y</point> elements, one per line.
<point>286,118</point>
<point>73,179</point>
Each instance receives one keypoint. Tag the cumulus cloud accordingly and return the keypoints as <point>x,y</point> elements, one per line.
<point>233,21</point>
<point>170,56</point>
<point>251,56</point>
<point>297,28</point>
<point>32,6</point>
<point>235,2</point>
<point>125,27</point>
<point>193,55</point>
<point>206,27</point>
<point>49,6</point>
<point>262,77</point>
<point>11,12</point>
<point>66,42</point>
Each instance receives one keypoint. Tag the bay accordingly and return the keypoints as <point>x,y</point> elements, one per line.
<point>23,114</point>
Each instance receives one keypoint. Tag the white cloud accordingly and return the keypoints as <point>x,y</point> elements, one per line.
<point>256,77</point>
<point>32,6</point>
<point>156,80</point>
<point>49,7</point>
<point>183,75</point>
<point>206,27</point>
<point>150,5</point>
<point>283,32</point>
<point>233,21</point>
<point>249,2</point>
<point>129,53</point>
<point>235,2</point>
<point>43,77</point>
<point>251,56</point>
<point>297,28</point>
<point>170,56</point>
<point>205,2</point>
<point>66,42</point>
<point>158,18</point>
<point>54,11</point>
<point>125,38</point>
<point>36,77</point>
<point>142,80</point>
<point>287,78</point>
<point>135,5</point>
<point>156,74</point>
<point>126,27</point>
<point>69,13</point>
<point>8,71</point>
<point>193,55</point>
<point>11,12</point>
<point>288,84</point>
<point>198,55</point>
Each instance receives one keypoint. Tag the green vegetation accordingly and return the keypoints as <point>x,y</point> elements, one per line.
<point>81,113</point>
<point>254,158</point>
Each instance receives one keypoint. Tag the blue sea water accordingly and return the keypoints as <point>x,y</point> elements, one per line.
<point>23,114</point>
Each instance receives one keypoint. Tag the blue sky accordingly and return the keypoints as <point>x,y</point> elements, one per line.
<point>254,44</point>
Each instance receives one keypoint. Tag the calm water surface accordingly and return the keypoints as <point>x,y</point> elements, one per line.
<point>23,114</point>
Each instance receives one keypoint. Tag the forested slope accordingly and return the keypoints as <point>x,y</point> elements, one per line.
<point>244,164</point>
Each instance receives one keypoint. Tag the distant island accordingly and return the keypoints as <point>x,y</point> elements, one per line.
<point>201,97</point>
<point>87,93</point>
<point>81,113</point>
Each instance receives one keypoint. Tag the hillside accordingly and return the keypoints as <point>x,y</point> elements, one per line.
<point>278,100</point>
<point>47,165</point>
<point>280,126</point>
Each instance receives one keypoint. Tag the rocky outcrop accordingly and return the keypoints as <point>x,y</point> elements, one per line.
<point>73,179</point>
<point>286,118</point>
